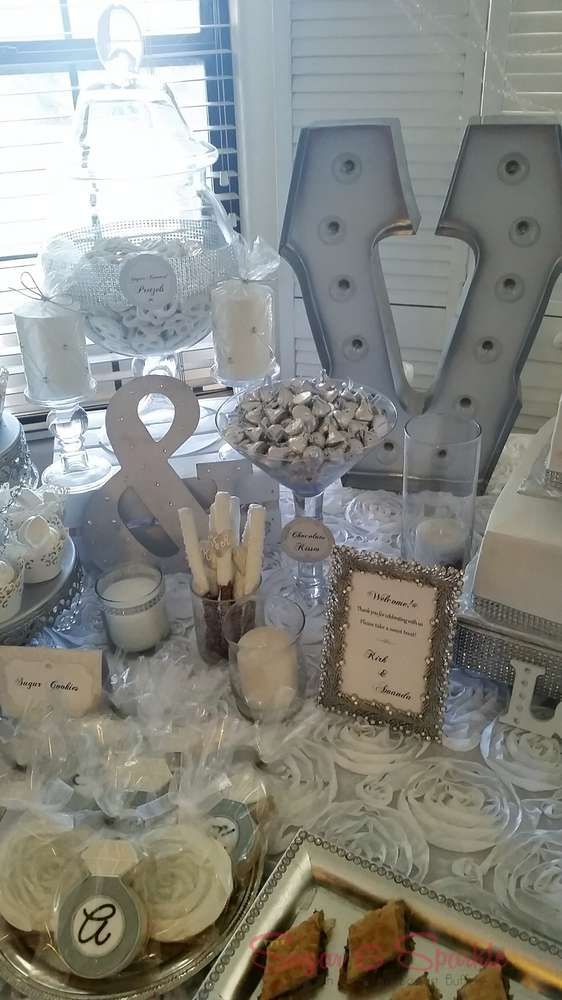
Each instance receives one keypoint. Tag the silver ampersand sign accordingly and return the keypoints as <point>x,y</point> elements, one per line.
<point>350,190</point>
<point>146,476</point>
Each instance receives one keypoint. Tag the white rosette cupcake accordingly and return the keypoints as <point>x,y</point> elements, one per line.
<point>27,503</point>
<point>185,882</point>
<point>38,858</point>
<point>42,544</point>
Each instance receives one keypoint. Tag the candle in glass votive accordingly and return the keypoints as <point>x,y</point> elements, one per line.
<point>268,668</point>
<point>441,541</point>
<point>133,602</point>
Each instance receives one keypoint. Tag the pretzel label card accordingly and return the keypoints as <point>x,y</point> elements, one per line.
<point>67,679</point>
<point>388,641</point>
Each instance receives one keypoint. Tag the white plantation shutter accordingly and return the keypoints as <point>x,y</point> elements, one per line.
<point>46,54</point>
<point>361,59</point>
<point>524,76</point>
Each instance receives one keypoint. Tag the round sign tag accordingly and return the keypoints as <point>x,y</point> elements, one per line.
<point>101,927</point>
<point>148,280</point>
<point>307,540</point>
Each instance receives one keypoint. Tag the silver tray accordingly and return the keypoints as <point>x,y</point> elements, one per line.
<point>448,936</point>
<point>22,967</point>
<point>43,603</point>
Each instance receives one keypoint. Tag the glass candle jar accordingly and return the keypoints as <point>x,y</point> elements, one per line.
<point>132,599</point>
<point>441,461</point>
<point>265,660</point>
<point>209,615</point>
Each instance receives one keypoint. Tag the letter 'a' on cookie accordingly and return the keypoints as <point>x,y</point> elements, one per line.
<point>489,984</point>
<point>375,941</point>
<point>295,960</point>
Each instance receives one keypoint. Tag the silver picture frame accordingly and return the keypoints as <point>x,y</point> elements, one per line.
<point>447,582</point>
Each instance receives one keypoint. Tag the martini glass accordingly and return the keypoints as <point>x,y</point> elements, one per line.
<point>309,479</point>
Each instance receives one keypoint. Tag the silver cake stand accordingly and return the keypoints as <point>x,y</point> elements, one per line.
<point>44,603</point>
<point>16,467</point>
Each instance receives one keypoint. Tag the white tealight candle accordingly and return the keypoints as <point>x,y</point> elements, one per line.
<point>268,669</point>
<point>441,541</point>
<point>135,611</point>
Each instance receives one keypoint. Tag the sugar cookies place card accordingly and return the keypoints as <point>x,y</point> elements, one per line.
<point>68,679</point>
<point>388,641</point>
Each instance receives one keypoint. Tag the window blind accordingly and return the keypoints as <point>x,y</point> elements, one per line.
<point>524,77</point>
<point>47,53</point>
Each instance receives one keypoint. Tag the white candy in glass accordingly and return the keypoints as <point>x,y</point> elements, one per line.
<point>268,668</point>
<point>242,313</point>
<point>53,347</point>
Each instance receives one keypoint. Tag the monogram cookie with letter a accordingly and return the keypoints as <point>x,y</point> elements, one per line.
<point>101,924</point>
<point>101,927</point>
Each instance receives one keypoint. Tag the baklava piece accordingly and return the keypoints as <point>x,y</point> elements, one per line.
<point>489,984</point>
<point>421,989</point>
<point>295,962</point>
<point>376,941</point>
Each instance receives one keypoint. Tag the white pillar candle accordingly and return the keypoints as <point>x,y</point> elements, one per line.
<point>440,541</point>
<point>53,348</point>
<point>242,330</point>
<point>131,625</point>
<point>268,668</point>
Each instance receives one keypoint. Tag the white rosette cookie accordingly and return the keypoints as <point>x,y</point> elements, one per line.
<point>185,882</point>
<point>38,858</point>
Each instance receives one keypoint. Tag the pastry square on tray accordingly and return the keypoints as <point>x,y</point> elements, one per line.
<point>489,984</point>
<point>377,940</point>
<point>421,989</point>
<point>294,961</point>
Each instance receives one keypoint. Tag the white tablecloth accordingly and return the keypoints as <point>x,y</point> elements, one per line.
<point>479,816</point>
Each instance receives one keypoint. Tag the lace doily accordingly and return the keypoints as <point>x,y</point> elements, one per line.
<point>459,805</point>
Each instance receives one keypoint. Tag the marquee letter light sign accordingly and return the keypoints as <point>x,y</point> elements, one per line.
<point>350,189</point>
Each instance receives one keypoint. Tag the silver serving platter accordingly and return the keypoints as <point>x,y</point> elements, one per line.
<point>450,939</point>
<point>30,965</point>
<point>42,603</point>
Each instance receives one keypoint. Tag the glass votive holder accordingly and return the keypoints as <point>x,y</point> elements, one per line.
<point>209,615</point>
<point>441,463</point>
<point>265,659</point>
<point>133,603</point>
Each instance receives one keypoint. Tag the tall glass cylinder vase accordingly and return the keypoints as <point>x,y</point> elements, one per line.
<point>441,460</point>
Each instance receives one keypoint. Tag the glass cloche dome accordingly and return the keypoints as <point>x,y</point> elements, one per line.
<point>143,239</point>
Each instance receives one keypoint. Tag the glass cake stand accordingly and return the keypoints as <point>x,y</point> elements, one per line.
<point>309,479</point>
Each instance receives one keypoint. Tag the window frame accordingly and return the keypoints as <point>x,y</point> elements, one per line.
<point>210,46</point>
